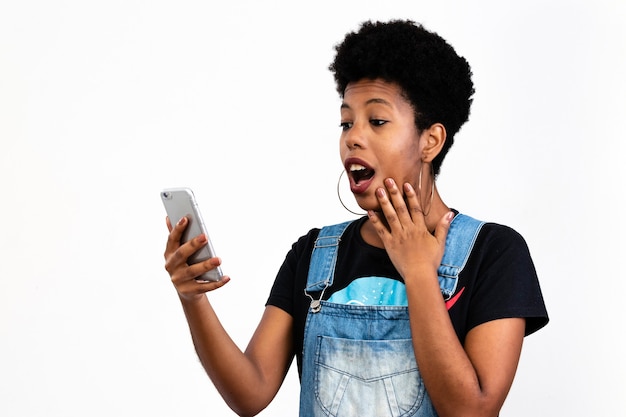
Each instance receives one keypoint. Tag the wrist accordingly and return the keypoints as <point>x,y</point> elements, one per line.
<point>190,300</point>
<point>421,276</point>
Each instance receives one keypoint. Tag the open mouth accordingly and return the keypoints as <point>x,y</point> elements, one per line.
<point>360,173</point>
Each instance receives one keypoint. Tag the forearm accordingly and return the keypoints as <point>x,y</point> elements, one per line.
<point>449,375</point>
<point>247,381</point>
<point>238,380</point>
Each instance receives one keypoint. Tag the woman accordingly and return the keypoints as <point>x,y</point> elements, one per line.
<point>412,310</point>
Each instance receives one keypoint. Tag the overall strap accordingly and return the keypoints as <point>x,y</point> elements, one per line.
<point>323,260</point>
<point>459,243</point>
<point>324,257</point>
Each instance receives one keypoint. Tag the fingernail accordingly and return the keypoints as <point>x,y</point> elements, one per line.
<point>181,221</point>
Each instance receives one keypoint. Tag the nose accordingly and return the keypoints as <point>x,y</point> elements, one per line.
<point>354,137</point>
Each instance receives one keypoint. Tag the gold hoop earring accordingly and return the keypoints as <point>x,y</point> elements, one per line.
<point>339,195</point>
<point>432,188</point>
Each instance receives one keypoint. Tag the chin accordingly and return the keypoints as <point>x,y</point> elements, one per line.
<point>366,205</point>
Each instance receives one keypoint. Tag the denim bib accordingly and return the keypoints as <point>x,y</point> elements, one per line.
<point>357,357</point>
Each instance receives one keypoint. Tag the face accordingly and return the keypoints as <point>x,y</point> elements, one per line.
<point>379,139</point>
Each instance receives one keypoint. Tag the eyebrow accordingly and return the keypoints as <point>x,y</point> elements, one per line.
<point>370,101</point>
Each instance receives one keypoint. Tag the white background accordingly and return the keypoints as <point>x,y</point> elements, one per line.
<point>103,103</point>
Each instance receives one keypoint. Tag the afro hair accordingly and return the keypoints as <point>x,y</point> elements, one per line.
<point>433,77</point>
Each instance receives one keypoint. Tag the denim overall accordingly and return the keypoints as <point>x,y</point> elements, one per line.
<point>358,357</point>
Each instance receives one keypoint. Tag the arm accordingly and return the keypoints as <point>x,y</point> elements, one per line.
<point>249,380</point>
<point>470,380</point>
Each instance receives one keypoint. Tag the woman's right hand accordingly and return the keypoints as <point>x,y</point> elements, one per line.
<point>183,275</point>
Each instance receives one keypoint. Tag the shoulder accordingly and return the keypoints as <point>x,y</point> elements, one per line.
<point>501,247</point>
<point>344,229</point>
<point>499,238</point>
<point>490,233</point>
<point>306,242</point>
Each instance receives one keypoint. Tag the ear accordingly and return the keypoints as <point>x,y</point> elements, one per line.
<point>432,140</point>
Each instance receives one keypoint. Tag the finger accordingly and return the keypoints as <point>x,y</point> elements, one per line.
<point>442,228</point>
<point>414,204</point>
<point>176,256</point>
<point>196,270</point>
<point>193,288</point>
<point>388,210</point>
<point>168,223</point>
<point>183,273</point>
<point>397,200</point>
<point>377,222</point>
<point>173,239</point>
<point>213,285</point>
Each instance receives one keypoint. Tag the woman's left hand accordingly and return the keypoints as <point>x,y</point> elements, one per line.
<point>401,225</point>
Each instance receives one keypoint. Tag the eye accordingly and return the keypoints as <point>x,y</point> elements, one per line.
<point>345,125</point>
<point>377,122</point>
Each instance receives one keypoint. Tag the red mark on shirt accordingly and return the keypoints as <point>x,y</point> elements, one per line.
<point>454,299</point>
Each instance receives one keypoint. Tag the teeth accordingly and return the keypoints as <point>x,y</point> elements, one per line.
<point>356,167</point>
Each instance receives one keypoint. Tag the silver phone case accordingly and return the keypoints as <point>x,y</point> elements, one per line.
<point>179,203</point>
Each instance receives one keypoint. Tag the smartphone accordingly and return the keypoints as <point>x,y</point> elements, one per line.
<point>179,203</point>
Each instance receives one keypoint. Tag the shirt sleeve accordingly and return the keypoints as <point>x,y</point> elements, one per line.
<point>506,285</point>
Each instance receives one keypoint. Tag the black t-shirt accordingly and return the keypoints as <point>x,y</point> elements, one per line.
<point>498,281</point>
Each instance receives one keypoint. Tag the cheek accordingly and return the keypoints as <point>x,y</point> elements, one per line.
<point>405,151</point>
<point>342,149</point>
<point>405,161</point>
